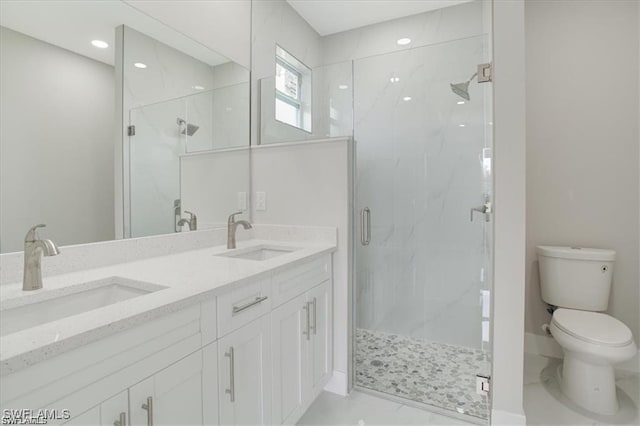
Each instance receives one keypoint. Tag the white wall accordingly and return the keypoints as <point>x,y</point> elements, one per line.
<point>509,235</point>
<point>56,145</point>
<point>222,25</point>
<point>582,141</point>
<point>211,184</point>
<point>309,184</point>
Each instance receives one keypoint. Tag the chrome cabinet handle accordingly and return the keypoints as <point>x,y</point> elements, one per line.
<point>149,407</point>
<point>365,226</point>
<point>122,421</point>
<point>232,384</point>
<point>307,310</point>
<point>315,316</point>
<point>237,309</point>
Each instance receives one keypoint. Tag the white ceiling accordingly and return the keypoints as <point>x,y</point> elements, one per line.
<point>333,16</point>
<point>72,24</point>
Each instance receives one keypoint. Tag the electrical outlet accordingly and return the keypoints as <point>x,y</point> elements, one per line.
<point>261,201</point>
<point>242,201</point>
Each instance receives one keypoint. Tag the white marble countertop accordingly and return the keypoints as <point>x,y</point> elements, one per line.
<point>190,277</point>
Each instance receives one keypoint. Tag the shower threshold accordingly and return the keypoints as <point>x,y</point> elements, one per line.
<point>429,374</point>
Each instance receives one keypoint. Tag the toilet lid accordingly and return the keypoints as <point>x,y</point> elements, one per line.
<point>592,327</point>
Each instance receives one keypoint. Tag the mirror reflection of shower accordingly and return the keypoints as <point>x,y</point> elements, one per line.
<point>187,129</point>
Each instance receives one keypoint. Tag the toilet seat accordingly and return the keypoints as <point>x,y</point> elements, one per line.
<point>592,327</point>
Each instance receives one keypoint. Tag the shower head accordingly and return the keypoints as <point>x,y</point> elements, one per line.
<point>462,89</point>
<point>187,129</point>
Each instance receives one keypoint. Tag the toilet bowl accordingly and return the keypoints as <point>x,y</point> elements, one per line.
<point>576,282</point>
<point>592,343</point>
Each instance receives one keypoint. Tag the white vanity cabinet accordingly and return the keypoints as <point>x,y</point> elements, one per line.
<point>301,338</point>
<point>258,353</point>
<point>290,348</point>
<point>112,412</point>
<point>172,396</point>
<point>244,380</point>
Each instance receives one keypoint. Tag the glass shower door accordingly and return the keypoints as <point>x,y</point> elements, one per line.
<point>154,151</point>
<point>423,259</point>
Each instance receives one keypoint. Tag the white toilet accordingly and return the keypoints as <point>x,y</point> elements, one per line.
<point>577,281</point>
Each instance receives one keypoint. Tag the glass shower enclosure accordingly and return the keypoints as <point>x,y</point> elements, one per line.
<point>423,243</point>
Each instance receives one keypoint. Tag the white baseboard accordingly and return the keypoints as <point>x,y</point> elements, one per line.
<point>338,384</point>
<point>506,418</point>
<point>547,346</point>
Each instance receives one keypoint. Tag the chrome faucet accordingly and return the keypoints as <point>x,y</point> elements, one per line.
<point>34,248</point>
<point>232,225</point>
<point>192,221</point>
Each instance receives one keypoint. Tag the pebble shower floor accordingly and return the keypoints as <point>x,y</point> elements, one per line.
<point>423,371</point>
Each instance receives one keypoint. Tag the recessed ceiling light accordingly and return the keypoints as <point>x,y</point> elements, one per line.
<point>197,87</point>
<point>100,44</point>
<point>394,79</point>
<point>403,41</point>
<point>406,98</point>
<point>343,87</point>
<point>140,65</point>
<point>460,102</point>
<point>461,125</point>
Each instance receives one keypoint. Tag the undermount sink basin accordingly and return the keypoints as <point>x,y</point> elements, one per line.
<point>40,308</point>
<point>259,253</point>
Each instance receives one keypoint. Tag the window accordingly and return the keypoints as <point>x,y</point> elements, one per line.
<point>292,91</point>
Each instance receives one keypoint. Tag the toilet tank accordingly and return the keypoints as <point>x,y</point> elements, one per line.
<point>576,277</point>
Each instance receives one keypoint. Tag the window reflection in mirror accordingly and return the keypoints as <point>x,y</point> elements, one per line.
<point>293,97</point>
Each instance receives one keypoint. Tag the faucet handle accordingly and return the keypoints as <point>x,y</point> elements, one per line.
<point>32,233</point>
<point>191,215</point>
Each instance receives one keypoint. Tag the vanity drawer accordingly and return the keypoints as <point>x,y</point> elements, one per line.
<point>288,284</point>
<point>243,305</point>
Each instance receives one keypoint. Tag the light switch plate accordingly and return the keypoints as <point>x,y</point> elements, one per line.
<point>261,201</point>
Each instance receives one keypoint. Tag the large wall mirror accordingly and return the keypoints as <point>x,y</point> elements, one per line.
<point>115,125</point>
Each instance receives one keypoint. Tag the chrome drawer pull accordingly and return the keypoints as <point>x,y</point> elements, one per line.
<point>237,309</point>
<point>149,407</point>
<point>122,421</point>
<point>307,311</point>
<point>315,316</point>
<point>232,383</point>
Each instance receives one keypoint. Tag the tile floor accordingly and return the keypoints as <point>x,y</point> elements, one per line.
<point>543,404</point>
<point>361,409</point>
<point>423,371</point>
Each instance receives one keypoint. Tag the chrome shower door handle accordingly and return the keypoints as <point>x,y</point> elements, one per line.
<point>365,226</point>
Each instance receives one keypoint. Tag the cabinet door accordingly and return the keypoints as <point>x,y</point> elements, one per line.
<point>321,336</point>
<point>210,384</point>
<point>106,414</point>
<point>88,418</point>
<point>289,347</point>
<point>244,360</point>
<point>172,396</point>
